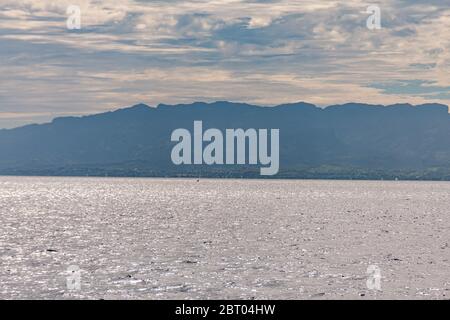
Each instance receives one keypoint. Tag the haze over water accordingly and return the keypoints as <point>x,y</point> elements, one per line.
<point>223,239</point>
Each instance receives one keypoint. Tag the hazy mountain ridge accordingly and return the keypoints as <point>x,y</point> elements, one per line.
<point>340,141</point>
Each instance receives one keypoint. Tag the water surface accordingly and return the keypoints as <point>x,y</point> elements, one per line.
<point>223,239</point>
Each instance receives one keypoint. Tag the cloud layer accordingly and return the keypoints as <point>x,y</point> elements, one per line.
<point>264,52</point>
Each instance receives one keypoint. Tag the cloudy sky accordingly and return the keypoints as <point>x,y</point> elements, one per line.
<point>257,51</point>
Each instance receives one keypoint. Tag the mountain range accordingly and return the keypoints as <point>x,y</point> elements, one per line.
<point>349,141</point>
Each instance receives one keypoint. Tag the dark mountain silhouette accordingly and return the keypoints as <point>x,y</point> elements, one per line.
<point>341,141</point>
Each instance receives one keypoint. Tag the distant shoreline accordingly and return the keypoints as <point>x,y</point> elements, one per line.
<point>193,177</point>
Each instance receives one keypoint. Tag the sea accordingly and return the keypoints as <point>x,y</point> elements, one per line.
<point>148,238</point>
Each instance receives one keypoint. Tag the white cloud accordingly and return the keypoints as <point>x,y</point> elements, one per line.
<point>178,51</point>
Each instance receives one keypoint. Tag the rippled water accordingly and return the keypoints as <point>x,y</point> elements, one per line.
<point>223,239</point>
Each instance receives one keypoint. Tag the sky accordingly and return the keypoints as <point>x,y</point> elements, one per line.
<point>265,52</point>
